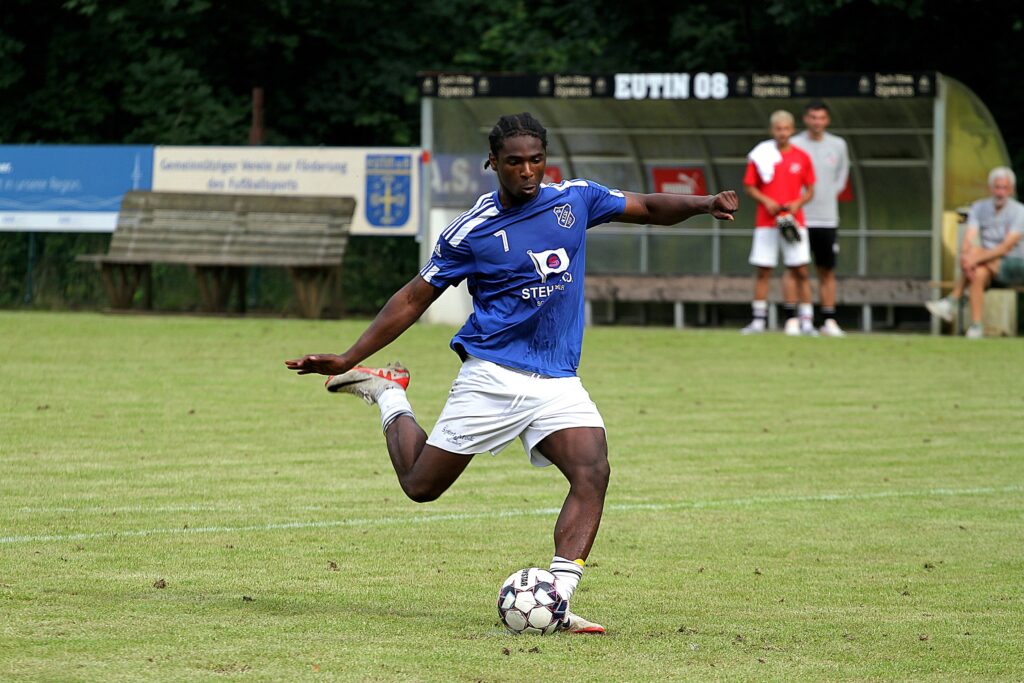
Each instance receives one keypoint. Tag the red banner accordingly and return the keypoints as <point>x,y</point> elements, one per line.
<point>552,175</point>
<point>680,180</point>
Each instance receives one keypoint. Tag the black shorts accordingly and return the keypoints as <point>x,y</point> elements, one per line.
<point>824,246</point>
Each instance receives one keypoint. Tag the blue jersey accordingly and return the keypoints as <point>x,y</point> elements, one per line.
<point>524,267</point>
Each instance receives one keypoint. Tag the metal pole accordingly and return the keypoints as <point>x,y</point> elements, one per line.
<point>938,186</point>
<point>427,143</point>
<point>31,267</point>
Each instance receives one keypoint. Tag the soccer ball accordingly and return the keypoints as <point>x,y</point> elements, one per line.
<point>529,603</point>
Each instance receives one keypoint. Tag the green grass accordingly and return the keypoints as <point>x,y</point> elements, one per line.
<point>788,509</point>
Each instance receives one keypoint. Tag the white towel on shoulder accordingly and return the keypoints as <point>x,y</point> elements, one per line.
<point>765,155</point>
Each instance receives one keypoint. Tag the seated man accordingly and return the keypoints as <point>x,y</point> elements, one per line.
<point>998,257</point>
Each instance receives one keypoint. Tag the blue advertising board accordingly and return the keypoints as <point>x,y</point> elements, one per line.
<point>457,180</point>
<point>69,188</point>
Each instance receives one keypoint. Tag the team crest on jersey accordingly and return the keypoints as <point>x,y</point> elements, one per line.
<point>550,262</point>
<point>563,212</point>
<point>794,167</point>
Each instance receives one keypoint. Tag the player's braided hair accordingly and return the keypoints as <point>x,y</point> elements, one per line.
<point>511,125</point>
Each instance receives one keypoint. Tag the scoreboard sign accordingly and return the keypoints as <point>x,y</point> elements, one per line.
<point>700,85</point>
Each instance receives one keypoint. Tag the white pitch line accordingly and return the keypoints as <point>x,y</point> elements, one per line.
<point>100,510</point>
<point>429,519</point>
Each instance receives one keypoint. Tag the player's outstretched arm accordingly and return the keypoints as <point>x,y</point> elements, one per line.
<point>669,209</point>
<point>403,309</point>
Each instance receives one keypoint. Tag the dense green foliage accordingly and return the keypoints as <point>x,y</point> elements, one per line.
<point>780,509</point>
<point>341,72</point>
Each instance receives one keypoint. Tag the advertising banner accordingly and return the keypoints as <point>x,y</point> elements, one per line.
<point>69,188</point>
<point>457,180</point>
<point>679,180</point>
<point>698,85</point>
<point>384,181</point>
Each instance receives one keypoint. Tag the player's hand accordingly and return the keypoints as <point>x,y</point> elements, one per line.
<point>771,206</point>
<point>788,228</point>
<point>725,205</point>
<point>319,363</point>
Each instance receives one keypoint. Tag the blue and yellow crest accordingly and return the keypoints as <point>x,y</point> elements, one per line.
<point>388,189</point>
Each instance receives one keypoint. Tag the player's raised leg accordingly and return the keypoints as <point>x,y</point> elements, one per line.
<point>581,454</point>
<point>424,472</point>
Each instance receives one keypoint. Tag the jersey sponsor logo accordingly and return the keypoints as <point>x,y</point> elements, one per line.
<point>388,189</point>
<point>549,262</point>
<point>540,294</point>
<point>564,214</point>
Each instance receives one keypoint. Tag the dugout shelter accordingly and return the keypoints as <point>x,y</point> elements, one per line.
<point>921,145</point>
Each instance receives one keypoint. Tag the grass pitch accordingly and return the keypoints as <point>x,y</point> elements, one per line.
<point>174,505</point>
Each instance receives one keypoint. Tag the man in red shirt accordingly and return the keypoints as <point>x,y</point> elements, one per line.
<point>781,178</point>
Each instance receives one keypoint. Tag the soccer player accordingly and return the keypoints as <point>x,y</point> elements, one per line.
<point>781,178</point>
<point>997,223</point>
<point>831,161</point>
<point>521,251</point>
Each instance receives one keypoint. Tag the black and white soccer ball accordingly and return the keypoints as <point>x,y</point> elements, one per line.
<point>528,602</point>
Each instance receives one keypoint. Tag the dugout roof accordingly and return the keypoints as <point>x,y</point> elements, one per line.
<point>920,144</point>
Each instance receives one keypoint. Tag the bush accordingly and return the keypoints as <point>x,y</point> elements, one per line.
<point>373,269</point>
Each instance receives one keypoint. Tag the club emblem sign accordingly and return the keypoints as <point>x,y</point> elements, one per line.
<point>388,189</point>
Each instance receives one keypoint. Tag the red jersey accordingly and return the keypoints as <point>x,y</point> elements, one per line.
<point>792,175</point>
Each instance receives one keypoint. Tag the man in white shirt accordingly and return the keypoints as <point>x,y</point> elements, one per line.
<point>831,169</point>
<point>992,250</point>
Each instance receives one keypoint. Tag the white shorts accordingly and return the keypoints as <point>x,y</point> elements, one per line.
<point>767,242</point>
<point>490,405</point>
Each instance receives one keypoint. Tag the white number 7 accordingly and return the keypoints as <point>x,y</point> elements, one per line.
<point>504,239</point>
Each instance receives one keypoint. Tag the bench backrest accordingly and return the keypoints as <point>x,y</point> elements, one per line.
<point>231,230</point>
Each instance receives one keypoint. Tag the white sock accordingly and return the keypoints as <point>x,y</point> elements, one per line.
<point>567,575</point>
<point>759,308</point>
<point>806,313</point>
<point>392,403</point>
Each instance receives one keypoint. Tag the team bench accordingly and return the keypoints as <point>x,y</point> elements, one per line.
<point>220,236</point>
<point>735,289</point>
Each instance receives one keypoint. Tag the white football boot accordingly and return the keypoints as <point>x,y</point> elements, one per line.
<point>574,623</point>
<point>941,308</point>
<point>975,331</point>
<point>831,329</point>
<point>792,328</point>
<point>369,383</point>
<point>756,326</point>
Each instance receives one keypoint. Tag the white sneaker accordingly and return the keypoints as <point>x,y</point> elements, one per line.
<point>941,308</point>
<point>831,329</point>
<point>756,326</point>
<point>792,327</point>
<point>975,331</point>
<point>574,623</point>
<point>807,330</point>
<point>369,383</point>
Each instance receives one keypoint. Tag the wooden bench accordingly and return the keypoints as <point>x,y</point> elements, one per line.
<point>220,236</point>
<point>738,289</point>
